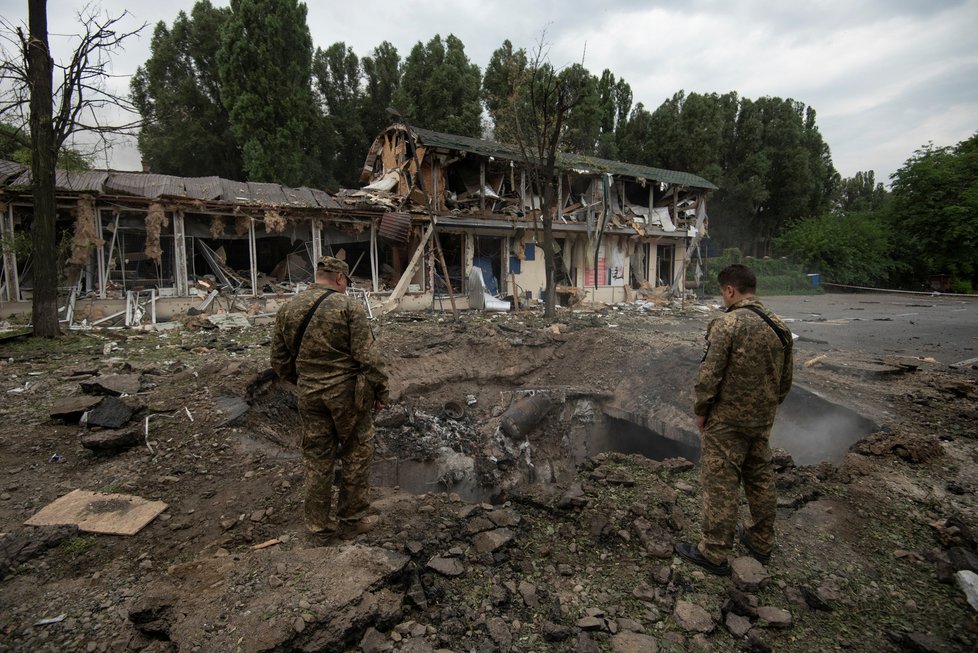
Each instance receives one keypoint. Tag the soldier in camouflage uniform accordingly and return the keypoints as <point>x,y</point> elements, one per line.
<point>341,379</point>
<point>745,374</point>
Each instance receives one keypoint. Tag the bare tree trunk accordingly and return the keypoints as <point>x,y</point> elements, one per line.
<point>40,71</point>
<point>549,260</point>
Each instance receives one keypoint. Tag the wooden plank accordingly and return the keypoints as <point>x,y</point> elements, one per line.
<point>412,267</point>
<point>112,514</point>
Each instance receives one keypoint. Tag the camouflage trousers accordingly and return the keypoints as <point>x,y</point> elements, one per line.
<point>332,428</point>
<point>732,455</point>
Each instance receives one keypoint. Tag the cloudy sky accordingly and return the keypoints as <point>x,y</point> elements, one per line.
<point>884,76</point>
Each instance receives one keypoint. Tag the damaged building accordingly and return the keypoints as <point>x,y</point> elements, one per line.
<point>441,218</point>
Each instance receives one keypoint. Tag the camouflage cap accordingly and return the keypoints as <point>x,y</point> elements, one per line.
<point>331,264</point>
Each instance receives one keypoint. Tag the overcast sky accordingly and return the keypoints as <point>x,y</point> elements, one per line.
<point>884,76</point>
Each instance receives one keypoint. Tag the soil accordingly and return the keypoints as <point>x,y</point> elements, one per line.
<point>480,541</point>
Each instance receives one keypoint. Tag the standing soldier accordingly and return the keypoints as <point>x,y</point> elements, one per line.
<point>323,343</point>
<point>745,374</point>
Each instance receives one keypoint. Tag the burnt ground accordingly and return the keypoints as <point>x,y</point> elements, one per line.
<point>481,542</point>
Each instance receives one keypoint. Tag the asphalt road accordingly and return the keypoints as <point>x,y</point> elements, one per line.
<point>943,328</point>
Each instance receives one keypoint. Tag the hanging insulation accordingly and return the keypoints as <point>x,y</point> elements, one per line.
<point>86,234</point>
<point>155,221</point>
<point>217,226</point>
<point>274,222</point>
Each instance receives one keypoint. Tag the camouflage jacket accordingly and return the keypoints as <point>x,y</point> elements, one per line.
<point>746,371</point>
<point>338,345</point>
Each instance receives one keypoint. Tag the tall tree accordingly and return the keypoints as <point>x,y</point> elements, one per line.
<point>766,155</point>
<point>615,103</point>
<point>338,79</point>
<point>934,212</point>
<point>440,88</point>
<point>862,192</point>
<point>382,76</point>
<point>55,114</point>
<point>187,130</point>
<point>582,124</point>
<point>504,73</point>
<point>265,64</point>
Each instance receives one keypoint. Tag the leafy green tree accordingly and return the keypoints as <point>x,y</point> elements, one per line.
<point>854,248</point>
<point>861,192</point>
<point>767,156</point>
<point>382,76</point>
<point>338,78</point>
<point>177,91</point>
<point>265,65</point>
<point>582,127</point>
<point>14,146</point>
<point>616,102</point>
<point>440,88</point>
<point>505,72</point>
<point>934,212</point>
<point>633,136</point>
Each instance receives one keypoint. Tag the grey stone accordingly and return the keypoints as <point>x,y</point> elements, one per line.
<point>590,623</point>
<point>748,574</point>
<point>630,625</point>
<point>629,642</point>
<point>737,625</point>
<point>556,632</point>
<point>374,641</point>
<point>968,582</point>
<point>701,644</point>
<point>963,559</point>
<point>111,413</point>
<point>493,540</point>
<point>775,617</point>
<point>112,385</point>
<point>416,645</point>
<point>572,498</point>
<point>478,525</point>
<point>499,633</point>
<point>657,541</point>
<point>586,645</point>
<point>529,593</point>
<point>693,618</point>
<point>71,409</point>
<point>662,575</point>
<point>447,566</point>
<point>414,547</point>
<point>504,517</point>
<point>644,592</point>
<point>109,442</point>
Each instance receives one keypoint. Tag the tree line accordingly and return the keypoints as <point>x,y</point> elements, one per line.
<point>241,92</point>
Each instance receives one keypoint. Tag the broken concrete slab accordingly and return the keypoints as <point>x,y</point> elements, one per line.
<point>354,585</point>
<point>93,512</point>
<point>113,385</point>
<point>24,544</point>
<point>110,413</point>
<point>110,442</point>
<point>446,566</point>
<point>71,409</point>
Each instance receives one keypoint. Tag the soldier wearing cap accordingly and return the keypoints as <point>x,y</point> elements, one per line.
<point>341,379</point>
<point>745,374</point>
